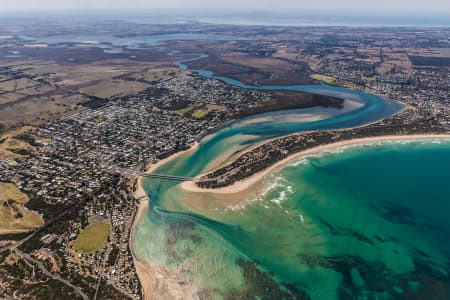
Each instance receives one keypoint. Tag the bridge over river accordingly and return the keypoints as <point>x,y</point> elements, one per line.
<point>168,177</point>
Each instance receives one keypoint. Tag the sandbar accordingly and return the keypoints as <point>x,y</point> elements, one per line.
<point>239,186</point>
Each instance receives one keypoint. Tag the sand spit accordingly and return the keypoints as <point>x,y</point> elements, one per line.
<point>242,185</point>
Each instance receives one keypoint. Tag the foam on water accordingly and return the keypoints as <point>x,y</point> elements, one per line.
<point>286,229</point>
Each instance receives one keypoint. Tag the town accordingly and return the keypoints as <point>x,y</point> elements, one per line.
<point>87,163</point>
<point>78,167</point>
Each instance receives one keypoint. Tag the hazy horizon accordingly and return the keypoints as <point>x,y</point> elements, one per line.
<point>400,7</point>
<point>240,17</point>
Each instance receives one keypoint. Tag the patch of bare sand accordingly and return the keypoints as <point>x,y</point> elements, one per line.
<point>160,284</point>
<point>157,282</point>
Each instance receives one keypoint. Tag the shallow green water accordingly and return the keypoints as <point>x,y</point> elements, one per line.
<point>367,222</point>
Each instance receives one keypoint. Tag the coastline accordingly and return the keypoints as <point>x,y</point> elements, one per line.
<point>240,186</point>
<point>161,162</point>
<point>156,283</point>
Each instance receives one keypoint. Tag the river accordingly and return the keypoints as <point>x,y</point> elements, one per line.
<point>341,225</point>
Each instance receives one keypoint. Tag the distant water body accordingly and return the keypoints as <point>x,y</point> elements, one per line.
<point>333,226</point>
<point>128,41</point>
<point>358,223</point>
<point>373,107</point>
<point>269,19</point>
<point>351,21</point>
<point>367,222</point>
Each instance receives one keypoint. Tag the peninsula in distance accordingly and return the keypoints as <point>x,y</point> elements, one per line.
<point>225,150</point>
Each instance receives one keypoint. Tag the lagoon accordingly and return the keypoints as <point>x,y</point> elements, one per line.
<point>366,221</point>
<point>356,223</point>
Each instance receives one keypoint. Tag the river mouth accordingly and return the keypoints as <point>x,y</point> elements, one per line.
<point>213,243</point>
<point>324,226</point>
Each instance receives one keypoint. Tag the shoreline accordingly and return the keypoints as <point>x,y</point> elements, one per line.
<point>238,187</point>
<point>149,276</point>
<point>141,208</point>
<point>242,185</point>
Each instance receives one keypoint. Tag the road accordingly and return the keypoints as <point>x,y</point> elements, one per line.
<point>44,270</point>
<point>39,264</point>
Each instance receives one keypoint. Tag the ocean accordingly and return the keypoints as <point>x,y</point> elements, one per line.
<point>366,222</point>
<point>363,222</point>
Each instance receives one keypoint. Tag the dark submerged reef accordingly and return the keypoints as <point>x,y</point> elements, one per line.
<point>262,285</point>
<point>361,278</point>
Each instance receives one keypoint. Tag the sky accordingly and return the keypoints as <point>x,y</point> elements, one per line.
<point>280,6</point>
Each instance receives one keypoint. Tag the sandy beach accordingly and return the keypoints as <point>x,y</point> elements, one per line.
<point>242,185</point>
<point>157,283</point>
<point>161,162</point>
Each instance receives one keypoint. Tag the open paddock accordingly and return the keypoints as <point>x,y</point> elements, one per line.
<point>115,88</point>
<point>14,216</point>
<point>93,238</point>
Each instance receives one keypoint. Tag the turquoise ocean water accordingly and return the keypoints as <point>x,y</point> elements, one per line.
<point>366,222</point>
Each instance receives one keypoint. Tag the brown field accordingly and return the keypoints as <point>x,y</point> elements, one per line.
<point>78,74</point>
<point>440,52</point>
<point>430,52</point>
<point>225,59</point>
<point>19,63</point>
<point>14,216</point>
<point>9,97</point>
<point>254,70</point>
<point>39,110</point>
<point>282,100</point>
<point>155,74</point>
<point>294,54</point>
<point>114,88</point>
<point>290,53</point>
<point>256,62</point>
<point>277,71</point>
<point>10,144</point>
<point>57,89</point>
<point>370,55</point>
<point>39,89</point>
<point>17,85</point>
<point>395,62</point>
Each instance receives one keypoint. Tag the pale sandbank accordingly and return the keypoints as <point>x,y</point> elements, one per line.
<point>239,186</point>
<point>157,283</point>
